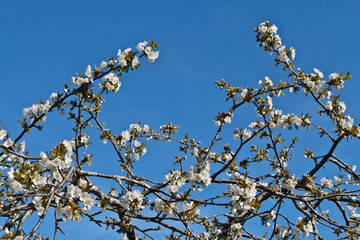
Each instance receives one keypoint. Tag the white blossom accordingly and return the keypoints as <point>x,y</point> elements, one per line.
<point>333,76</point>
<point>342,107</point>
<point>133,199</point>
<point>227,119</point>
<point>103,65</point>
<point>318,72</point>
<point>282,57</point>
<point>39,180</point>
<point>38,205</point>
<point>65,211</point>
<point>292,51</point>
<point>88,72</point>
<point>2,134</point>
<point>111,82</point>
<point>247,134</point>
<point>290,183</point>
<point>243,93</point>
<point>327,182</point>
<point>175,180</point>
<point>141,46</point>
<point>329,106</point>
<point>236,226</point>
<point>8,143</point>
<point>135,62</point>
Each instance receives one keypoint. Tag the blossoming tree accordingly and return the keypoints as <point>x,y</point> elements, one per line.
<point>211,191</point>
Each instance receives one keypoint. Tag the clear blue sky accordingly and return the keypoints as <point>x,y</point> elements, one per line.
<point>43,43</point>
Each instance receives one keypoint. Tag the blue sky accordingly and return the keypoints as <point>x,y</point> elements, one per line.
<point>43,44</point>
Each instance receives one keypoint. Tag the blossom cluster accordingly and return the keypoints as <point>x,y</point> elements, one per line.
<point>37,110</point>
<point>125,59</point>
<point>242,195</point>
<point>152,55</point>
<point>203,177</point>
<point>272,42</point>
<point>76,192</point>
<point>111,82</point>
<point>133,200</point>
<point>54,164</point>
<point>174,181</point>
<point>136,148</point>
<point>290,183</point>
<point>166,208</point>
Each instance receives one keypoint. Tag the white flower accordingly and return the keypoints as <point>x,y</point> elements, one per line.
<point>53,97</point>
<point>57,176</point>
<point>217,123</point>
<point>111,82</point>
<point>15,186</point>
<point>38,205</point>
<point>290,183</point>
<point>236,226</point>
<point>277,41</point>
<point>137,143</point>
<point>174,180</point>
<point>135,127</point>
<point>273,28</point>
<point>308,228</point>
<point>73,191</point>
<point>269,101</point>
<point>203,177</point>
<point>8,143</point>
<point>195,152</point>
<point>146,128</point>
<point>122,56</point>
<point>342,106</point>
<point>283,234</point>
<point>292,51</point>
<point>268,81</point>
<point>88,72</point>
<point>148,50</point>
<point>188,206</point>
<point>159,206</point>
<point>39,180</point>
<point>296,120</point>
<point>103,65</point>
<point>282,57</point>
<point>77,81</point>
<point>88,200</point>
<point>134,198</point>
<point>135,62</point>
<point>327,182</point>
<point>227,119</point>
<point>318,72</point>
<point>243,93</point>
<point>141,46</point>
<point>152,56</point>
<point>347,124</point>
<point>272,214</point>
<point>333,76</point>
<point>2,134</point>
<point>329,106</point>
<point>65,211</point>
<point>125,136</point>
<point>246,134</point>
